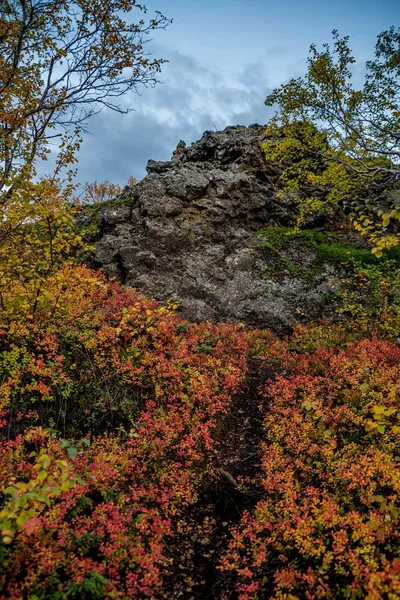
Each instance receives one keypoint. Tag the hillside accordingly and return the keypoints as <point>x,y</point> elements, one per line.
<point>199,372</point>
<point>232,433</point>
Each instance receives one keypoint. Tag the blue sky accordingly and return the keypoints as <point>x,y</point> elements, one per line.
<point>224,58</point>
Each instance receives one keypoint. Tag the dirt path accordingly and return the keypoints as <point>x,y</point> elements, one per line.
<point>208,529</point>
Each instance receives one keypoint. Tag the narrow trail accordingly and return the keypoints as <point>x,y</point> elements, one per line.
<point>208,530</point>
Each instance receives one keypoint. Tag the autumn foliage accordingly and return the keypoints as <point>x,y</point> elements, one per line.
<point>97,518</point>
<point>328,523</point>
<point>338,142</point>
<point>112,413</point>
<point>118,418</point>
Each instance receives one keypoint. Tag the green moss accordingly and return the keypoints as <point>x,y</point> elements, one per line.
<point>327,246</point>
<point>279,236</point>
<point>293,269</point>
<point>341,253</point>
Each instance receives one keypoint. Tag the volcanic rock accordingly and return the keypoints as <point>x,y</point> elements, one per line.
<point>187,232</point>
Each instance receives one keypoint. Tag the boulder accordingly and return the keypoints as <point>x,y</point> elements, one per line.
<point>187,231</point>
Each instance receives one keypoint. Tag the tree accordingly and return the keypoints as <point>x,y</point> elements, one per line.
<point>95,192</point>
<point>61,61</point>
<point>37,235</point>
<point>333,135</point>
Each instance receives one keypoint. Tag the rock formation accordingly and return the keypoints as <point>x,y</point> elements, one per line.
<point>187,231</point>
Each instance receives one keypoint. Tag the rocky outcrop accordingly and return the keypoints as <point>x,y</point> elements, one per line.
<point>187,231</point>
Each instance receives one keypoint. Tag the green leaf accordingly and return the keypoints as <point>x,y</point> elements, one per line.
<point>67,485</point>
<point>23,501</point>
<point>46,463</point>
<point>43,498</point>
<point>23,517</point>
<point>72,451</point>
<point>42,475</point>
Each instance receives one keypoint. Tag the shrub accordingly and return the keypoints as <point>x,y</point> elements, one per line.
<point>328,524</point>
<point>90,359</point>
<point>97,518</point>
<point>371,300</point>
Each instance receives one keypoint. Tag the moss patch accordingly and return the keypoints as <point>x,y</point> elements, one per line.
<point>279,236</point>
<point>336,252</point>
<point>327,245</point>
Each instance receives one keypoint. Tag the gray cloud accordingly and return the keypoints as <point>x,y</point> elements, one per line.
<point>190,100</point>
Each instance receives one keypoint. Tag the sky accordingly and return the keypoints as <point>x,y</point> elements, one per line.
<point>224,58</point>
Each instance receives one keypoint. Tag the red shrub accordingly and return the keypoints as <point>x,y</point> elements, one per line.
<point>328,525</point>
<point>99,521</point>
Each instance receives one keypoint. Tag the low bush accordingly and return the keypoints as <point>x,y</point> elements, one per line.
<point>370,301</point>
<point>96,518</point>
<point>90,359</point>
<point>328,524</point>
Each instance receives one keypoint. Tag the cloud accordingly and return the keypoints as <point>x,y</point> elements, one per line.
<point>191,99</point>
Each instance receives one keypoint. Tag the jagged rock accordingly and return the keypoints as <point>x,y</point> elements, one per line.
<point>187,231</point>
